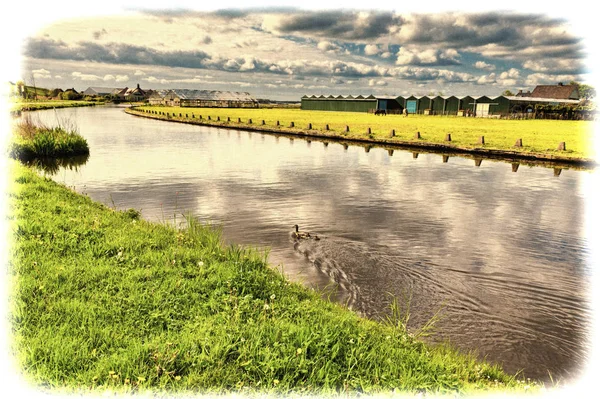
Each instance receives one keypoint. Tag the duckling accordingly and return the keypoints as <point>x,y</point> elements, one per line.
<point>300,234</point>
<point>316,238</point>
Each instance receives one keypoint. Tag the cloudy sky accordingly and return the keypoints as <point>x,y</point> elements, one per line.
<point>285,52</point>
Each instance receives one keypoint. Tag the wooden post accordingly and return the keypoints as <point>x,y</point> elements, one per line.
<point>277,123</point>
<point>557,171</point>
<point>239,120</point>
<point>209,117</point>
<point>219,118</point>
<point>186,115</point>
<point>367,148</point>
<point>345,146</point>
<point>368,130</point>
<point>519,143</point>
<point>325,143</point>
<point>263,122</point>
<point>448,137</point>
<point>291,124</point>
<point>228,119</point>
<point>326,127</point>
<point>347,128</point>
<point>562,146</point>
<point>482,140</point>
<point>393,133</point>
<point>310,126</point>
<point>418,135</point>
<point>193,116</point>
<point>200,117</point>
<point>250,121</point>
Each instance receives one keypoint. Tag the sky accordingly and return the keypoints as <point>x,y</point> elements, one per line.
<point>282,52</point>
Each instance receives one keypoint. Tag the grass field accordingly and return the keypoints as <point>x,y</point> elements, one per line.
<point>103,300</point>
<point>538,136</point>
<point>24,105</point>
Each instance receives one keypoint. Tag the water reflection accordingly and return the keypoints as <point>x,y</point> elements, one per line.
<point>51,166</point>
<point>503,253</point>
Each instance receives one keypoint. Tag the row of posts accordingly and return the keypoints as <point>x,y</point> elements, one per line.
<point>562,146</point>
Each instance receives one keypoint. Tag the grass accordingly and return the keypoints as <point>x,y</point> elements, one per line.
<point>539,136</point>
<point>31,140</point>
<point>101,300</point>
<point>30,105</point>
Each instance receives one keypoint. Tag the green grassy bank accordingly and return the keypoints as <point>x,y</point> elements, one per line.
<point>30,140</point>
<point>103,300</point>
<point>26,105</point>
<point>540,138</point>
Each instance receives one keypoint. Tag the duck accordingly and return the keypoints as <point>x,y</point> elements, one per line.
<point>300,234</point>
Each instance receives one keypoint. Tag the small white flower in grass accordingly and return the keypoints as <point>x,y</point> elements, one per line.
<point>351,340</point>
<point>200,263</point>
<point>266,307</point>
<point>272,296</point>
<point>298,351</point>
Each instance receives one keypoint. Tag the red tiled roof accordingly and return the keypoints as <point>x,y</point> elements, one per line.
<point>556,91</point>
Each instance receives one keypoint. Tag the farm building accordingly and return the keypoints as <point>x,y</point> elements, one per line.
<point>101,91</point>
<point>204,98</point>
<point>350,103</point>
<point>482,106</point>
<point>556,92</point>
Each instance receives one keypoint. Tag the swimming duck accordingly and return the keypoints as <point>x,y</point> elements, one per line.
<point>300,234</point>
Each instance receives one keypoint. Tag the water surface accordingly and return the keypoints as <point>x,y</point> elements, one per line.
<point>500,256</point>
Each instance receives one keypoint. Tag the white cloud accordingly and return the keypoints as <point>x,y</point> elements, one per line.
<point>85,77</point>
<point>512,73</point>
<point>108,78</point>
<point>484,65</point>
<point>327,46</point>
<point>121,78</point>
<point>487,79</point>
<point>139,73</point>
<point>248,65</point>
<point>373,82</point>
<point>372,49</point>
<point>41,74</point>
<point>418,56</point>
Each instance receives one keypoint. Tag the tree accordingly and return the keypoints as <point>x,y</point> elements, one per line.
<point>586,92</point>
<point>508,93</point>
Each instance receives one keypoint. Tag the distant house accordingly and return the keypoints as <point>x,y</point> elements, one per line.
<point>556,92</point>
<point>135,94</point>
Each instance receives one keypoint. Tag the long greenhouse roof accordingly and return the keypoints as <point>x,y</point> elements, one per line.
<point>212,95</point>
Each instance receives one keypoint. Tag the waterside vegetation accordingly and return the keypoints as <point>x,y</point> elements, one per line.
<point>103,300</point>
<point>31,140</point>
<point>538,138</point>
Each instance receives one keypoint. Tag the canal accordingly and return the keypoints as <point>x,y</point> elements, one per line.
<point>495,256</point>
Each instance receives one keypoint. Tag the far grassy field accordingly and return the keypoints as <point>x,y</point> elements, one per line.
<point>538,136</point>
<point>29,105</point>
<point>101,300</point>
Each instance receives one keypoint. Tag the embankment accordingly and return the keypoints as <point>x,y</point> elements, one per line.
<point>549,157</point>
<point>102,300</point>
